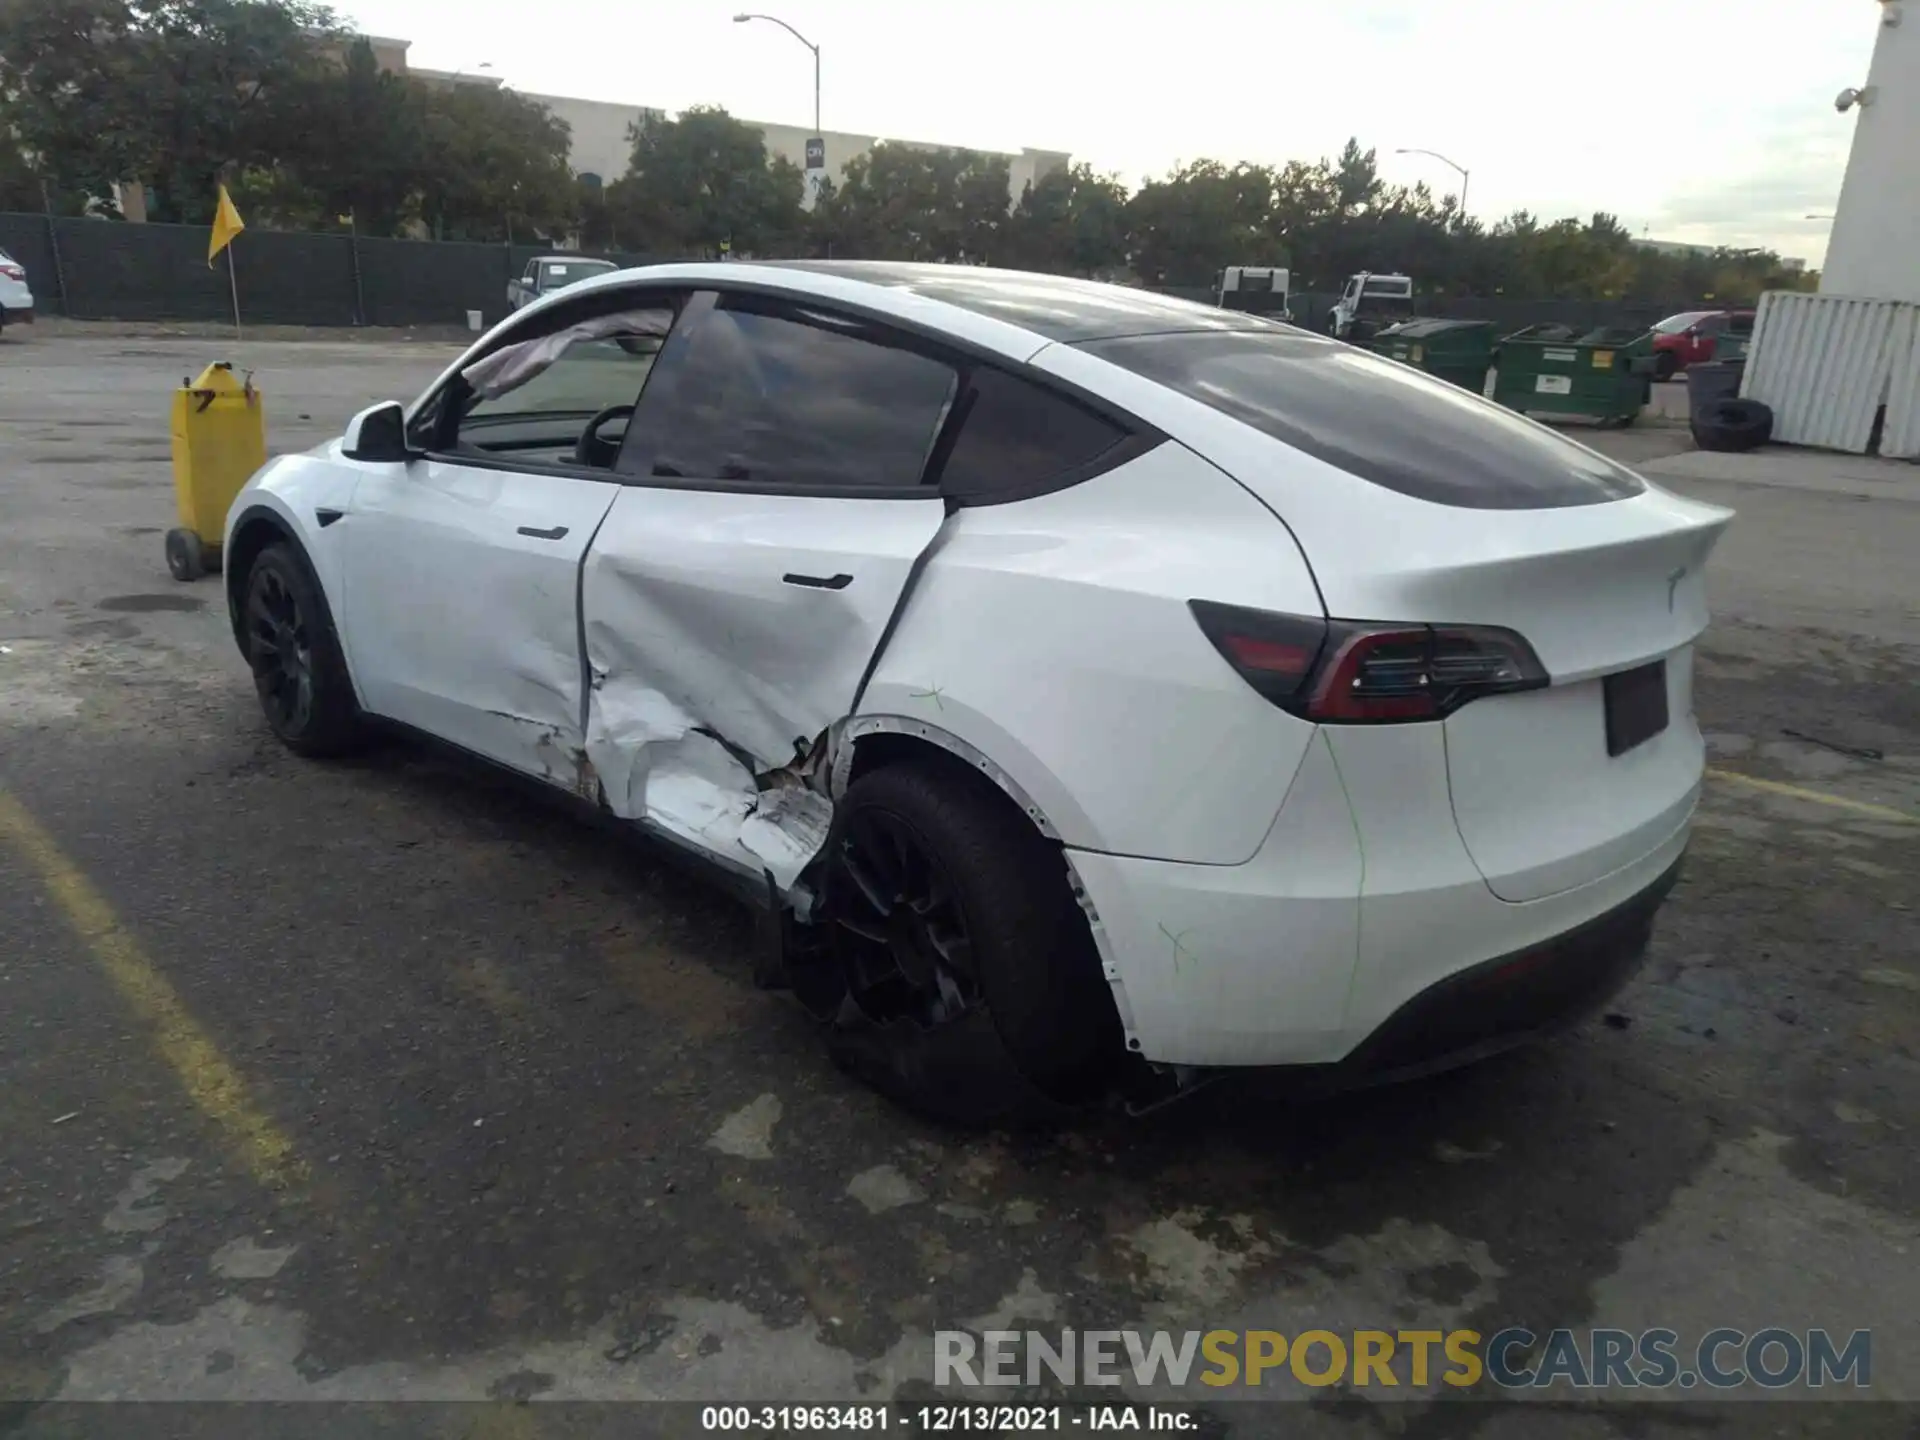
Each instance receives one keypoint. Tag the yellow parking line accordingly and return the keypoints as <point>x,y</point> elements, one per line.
<point>1819,797</point>
<point>215,1086</point>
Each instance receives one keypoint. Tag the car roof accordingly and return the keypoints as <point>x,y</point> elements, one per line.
<point>1014,314</point>
<point>1055,307</point>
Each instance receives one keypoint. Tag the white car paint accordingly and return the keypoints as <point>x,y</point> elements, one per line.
<point>16,300</point>
<point>1053,635</point>
<point>1263,889</point>
<point>460,598</point>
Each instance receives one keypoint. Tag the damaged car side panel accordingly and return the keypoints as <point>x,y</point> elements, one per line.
<point>460,600</point>
<point>725,633</point>
<point>1053,635</point>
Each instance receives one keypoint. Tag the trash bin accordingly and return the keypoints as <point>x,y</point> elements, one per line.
<point>1457,350</point>
<point>1605,374</point>
<point>219,441</point>
<point>1714,380</point>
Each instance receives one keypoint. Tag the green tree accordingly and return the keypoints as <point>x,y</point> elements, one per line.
<point>919,202</point>
<point>702,184</point>
<point>493,164</point>
<point>1202,218</point>
<point>1073,221</point>
<point>178,93</point>
<point>353,137</point>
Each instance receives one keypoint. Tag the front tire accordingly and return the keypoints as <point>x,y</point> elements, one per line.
<point>1666,365</point>
<point>960,977</point>
<point>298,670</point>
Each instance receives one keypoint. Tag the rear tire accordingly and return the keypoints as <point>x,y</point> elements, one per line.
<point>1666,365</point>
<point>958,975</point>
<point>298,670</point>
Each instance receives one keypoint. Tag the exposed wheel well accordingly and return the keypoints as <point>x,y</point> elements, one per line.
<point>881,749</point>
<point>876,751</point>
<point>256,533</point>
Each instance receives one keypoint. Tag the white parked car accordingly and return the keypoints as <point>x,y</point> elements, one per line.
<point>16,300</point>
<point>1099,689</point>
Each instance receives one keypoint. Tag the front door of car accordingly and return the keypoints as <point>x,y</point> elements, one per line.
<point>771,524</point>
<point>462,568</point>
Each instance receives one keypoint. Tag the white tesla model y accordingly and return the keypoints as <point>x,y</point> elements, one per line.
<point>1099,690</point>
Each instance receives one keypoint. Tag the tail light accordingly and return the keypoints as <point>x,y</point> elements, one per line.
<point>12,271</point>
<point>1360,672</point>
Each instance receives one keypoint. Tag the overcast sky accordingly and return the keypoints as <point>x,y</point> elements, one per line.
<point>1698,120</point>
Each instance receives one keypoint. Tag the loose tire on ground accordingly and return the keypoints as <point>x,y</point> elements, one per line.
<point>957,974</point>
<point>186,558</point>
<point>1732,425</point>
<point>298,669</point>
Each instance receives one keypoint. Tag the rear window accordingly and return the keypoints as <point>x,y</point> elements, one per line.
<point>1383,422</point>
<point>1019,438</point>
<point>1674,324</point>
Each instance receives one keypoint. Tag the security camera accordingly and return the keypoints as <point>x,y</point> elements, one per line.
<point>1846,99</point>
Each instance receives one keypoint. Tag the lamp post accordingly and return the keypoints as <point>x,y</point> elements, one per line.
<point>742,19</point>
<point>1464,175</point>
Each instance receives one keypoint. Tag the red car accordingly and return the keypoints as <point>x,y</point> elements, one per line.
<point>1688,338</point>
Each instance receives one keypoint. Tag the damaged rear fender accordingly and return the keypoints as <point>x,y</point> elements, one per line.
<point>844,745</point>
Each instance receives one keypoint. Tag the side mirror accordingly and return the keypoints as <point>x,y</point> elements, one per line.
<point>378,434</point>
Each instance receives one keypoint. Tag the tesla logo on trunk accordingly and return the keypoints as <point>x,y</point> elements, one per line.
<point>1673,584</point>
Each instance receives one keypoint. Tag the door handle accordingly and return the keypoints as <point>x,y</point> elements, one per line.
<point>818,582</point>
<point>558,532</point>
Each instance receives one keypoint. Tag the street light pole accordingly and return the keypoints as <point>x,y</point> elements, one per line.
<point>776,20</point>
<point>1464,174</point>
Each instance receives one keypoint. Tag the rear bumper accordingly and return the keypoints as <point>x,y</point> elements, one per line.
<point>1512,999</point>
<point>1342,940</point>
<point>17,314</point>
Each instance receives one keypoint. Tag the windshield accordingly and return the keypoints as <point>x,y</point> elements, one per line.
<point>1674,324</point>
<point>1370,417</point>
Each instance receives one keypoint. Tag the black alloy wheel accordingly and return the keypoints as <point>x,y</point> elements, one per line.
<point>901,935</point>
<point>280,638</point>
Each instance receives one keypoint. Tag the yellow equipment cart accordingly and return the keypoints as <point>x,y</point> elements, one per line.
<point>219,440</point>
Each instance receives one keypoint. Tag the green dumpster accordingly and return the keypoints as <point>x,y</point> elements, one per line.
<point>1604,374</point>
<point>1457,350</point>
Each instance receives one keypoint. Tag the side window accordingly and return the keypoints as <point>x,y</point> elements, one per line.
<point>789,396</point>
<point>535,399</point>
<point>1016,437</point>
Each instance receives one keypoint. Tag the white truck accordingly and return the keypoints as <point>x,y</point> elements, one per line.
<point>1370,302</point>
<point>1257,289</point>
<point>547,273</point>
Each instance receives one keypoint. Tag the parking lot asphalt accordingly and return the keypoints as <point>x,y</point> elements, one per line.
<point>386,1079</point>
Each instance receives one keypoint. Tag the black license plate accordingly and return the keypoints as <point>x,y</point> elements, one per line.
<point>1636,702</point>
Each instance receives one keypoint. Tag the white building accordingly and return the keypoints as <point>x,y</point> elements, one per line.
<point>1842,367</point>
<point>1875,246</point>
<point>601,145</point>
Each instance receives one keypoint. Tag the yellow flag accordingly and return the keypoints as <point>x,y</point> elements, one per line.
<point>226,224</point>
